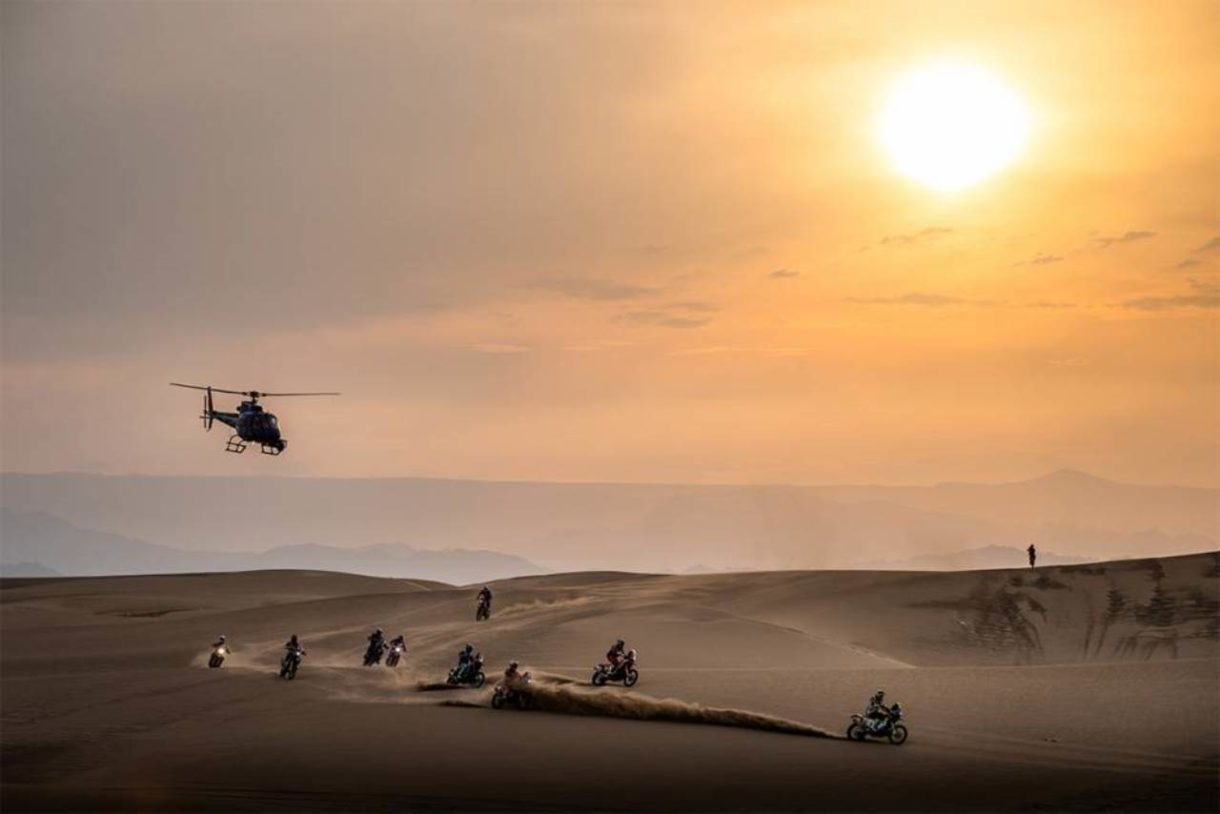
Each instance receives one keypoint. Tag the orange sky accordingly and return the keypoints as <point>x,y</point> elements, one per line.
<point>607,242</point>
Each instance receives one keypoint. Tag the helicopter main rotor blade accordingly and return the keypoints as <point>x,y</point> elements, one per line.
<point>280,395</point>
<point>212,389</point>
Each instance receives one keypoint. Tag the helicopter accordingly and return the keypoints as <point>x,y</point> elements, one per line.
<point>252,423</point>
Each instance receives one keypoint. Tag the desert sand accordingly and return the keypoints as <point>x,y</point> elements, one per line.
<point>1080,687</point>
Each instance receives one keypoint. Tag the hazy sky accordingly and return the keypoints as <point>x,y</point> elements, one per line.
<point>607,242</point>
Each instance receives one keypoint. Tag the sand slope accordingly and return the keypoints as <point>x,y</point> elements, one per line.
<point>1077,687</point>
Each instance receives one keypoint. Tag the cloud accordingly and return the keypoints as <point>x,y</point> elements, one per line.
<point>784,274</point>
<point>1049,304</point>
<point>1211,245</point>
<point>1165,303</point>
<point>1204,294</point>
<point>692,305</point>
<point>923,299</point>
<point>662,319</point>
<point>1130,236</point>
<point>914,237</point>
<point>593,288</point>
<point>1040,259</point>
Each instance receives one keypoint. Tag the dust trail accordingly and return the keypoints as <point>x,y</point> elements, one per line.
<point>569,699</point>
<point>435,686</point>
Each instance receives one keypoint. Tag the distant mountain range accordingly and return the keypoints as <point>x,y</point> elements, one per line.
<point>35,544</point>
<point>302,522</point>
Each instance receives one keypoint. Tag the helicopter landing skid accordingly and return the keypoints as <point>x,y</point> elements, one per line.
<point>272,450</point>
<point>235,444</point>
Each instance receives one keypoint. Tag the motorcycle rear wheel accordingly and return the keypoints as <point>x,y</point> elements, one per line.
<point>898,735</point>
<point>599,678</point>
<point>856,732</point>
<point>497,701</point>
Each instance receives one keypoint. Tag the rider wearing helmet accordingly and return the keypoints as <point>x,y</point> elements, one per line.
<point>376,647</point>
<point>465,657</point>
<point>219,642</point>
<point>616,654</point>
<point>292,644</point>
<point>399,641</point>
<point>877,711</point>
<point>514,679</point>
<point>484,602</point>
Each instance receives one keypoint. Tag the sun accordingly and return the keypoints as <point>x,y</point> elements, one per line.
<point>949,126</point>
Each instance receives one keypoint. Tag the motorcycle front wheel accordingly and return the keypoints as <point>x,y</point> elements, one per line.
<point>479,678</point>
<point>630,678</point>
<point>855,732</point>
<point>898,735</point>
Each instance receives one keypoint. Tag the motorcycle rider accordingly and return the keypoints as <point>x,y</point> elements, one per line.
<point>615,655</point>
<point>877,712</point>
<point>376,646</point>
<point>465,659</point>
<point>399,641</point>
<point>513,675</point>
<point>292,650</point>
<point>219,643</point>
<point>485,598</point>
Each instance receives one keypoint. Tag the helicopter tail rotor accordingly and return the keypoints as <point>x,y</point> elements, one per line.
<point>208,413</point>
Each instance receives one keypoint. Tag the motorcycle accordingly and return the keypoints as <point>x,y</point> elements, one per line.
<point>218,656</point>
<point>483,611</point>
<point>506,695</point>
<point>396,653</point>
<point>373,654</point>
<point>890,727</point>
<point>290,664</point>
<point>624,672</point>
<point>471,674</point>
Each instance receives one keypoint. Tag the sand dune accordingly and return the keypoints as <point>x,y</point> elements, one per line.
<point>1076,687</point>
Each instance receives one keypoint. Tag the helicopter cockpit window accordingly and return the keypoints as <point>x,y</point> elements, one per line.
<point>271,423</point>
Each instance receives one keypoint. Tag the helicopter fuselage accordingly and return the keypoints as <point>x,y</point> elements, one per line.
<point>253,425</point>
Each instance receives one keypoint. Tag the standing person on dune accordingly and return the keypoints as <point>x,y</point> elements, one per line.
<point>1033,554</point>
